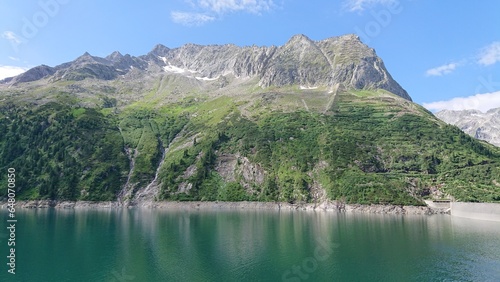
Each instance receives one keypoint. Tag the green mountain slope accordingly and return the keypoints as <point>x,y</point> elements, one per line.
<point>304,122</point>
<point>367,147</point>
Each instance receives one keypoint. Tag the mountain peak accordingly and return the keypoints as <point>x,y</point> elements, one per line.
<point>299,38</point>
<point>478,124</point>
<point>350,36</point>
<point>32,74</point>
<point>86,58</point>
<point>159,50</point>
<point>85,55</point>
<point>115,56</point>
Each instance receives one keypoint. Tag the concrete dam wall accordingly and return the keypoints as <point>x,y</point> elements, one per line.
<point>483,211</point>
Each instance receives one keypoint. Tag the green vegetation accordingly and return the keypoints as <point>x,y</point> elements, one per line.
<point>62,153</point>
<point>370,147</point>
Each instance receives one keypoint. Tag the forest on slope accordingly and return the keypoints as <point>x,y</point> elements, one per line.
<point>370,147</point>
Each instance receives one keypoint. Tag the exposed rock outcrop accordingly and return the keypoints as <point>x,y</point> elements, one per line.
<point>33,74</point>
<point>232,167</point>
<point>338,61</point>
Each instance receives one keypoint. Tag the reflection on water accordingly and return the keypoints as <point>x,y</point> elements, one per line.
<point>167,245</point>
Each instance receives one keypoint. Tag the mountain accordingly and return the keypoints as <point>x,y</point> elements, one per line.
<point>309,121</point>
<point>340,61</point>
<point>483,126</point>
<point>33,74</point>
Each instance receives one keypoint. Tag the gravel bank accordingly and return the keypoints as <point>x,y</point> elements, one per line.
<point>325,206</point>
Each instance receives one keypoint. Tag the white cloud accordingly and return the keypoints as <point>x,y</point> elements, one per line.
<point>190,19</point>
<point>361,5</point>
<point>12,37</point>
<point>441,70</point>
<point>10,71</point>
<point>213,9</point>
<point>224,6</point>
<point>490,54</point>
<point>482,102</point>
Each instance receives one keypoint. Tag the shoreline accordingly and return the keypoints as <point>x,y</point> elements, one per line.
<point>196,205</point>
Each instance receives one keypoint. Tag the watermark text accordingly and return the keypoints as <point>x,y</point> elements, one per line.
<point>11,221</point>
<point>310,264</point>
<point>381,20</point>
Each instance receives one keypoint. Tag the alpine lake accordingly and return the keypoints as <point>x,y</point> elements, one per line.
<point>247,245</point>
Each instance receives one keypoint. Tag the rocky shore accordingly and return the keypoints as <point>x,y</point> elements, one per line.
<point>324,206</point>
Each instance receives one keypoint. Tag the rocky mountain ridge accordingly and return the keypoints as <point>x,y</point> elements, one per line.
<point>335,62</point>
<point>480,125</point>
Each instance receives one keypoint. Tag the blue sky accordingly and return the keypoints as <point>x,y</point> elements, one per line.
<point>446,54</point>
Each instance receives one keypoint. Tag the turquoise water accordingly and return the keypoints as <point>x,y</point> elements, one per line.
<point>160,245</point>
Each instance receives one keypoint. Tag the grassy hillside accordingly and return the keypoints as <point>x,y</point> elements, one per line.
<point>359,147</point>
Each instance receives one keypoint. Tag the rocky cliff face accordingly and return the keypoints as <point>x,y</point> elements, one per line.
<point>342,61</point>
<point>483,126</point>
<point>33,74</point>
